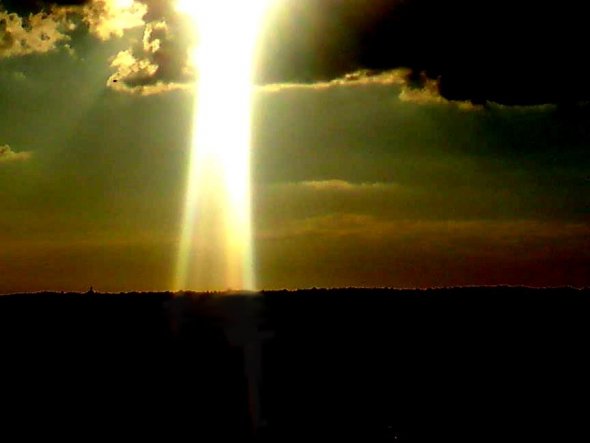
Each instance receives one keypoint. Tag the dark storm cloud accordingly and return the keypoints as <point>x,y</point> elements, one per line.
<point>506,51</point>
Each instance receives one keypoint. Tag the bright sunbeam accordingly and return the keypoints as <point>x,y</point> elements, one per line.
<point>216,249</point>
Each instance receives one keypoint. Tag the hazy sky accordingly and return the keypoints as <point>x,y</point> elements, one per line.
<point>475,172</point>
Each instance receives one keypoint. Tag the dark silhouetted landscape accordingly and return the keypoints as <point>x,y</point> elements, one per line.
<point>469,364</point>
<point>154,145</point>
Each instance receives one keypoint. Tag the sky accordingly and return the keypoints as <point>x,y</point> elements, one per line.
<point>410,143</point>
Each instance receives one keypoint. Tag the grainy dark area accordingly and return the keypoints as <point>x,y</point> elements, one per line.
<point>470,364</point>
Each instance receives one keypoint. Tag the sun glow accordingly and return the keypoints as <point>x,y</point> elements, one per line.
<point>216,249</point>
<point>124,4</point>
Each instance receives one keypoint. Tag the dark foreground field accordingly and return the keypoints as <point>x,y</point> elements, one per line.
<point>473,364</point>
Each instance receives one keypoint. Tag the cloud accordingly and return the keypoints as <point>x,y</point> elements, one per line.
<point>428,93</point>
<point>314,198</point>
<point>327,43</point>
<point>111,18</point>
<point>8,155</point>
<point>159,63</point>
<point>358,78</point>
<point>351,249</point>
<point>38,33</point>
<point>489,51</point>
<point>343,186</point>
<point>41,27</point>
<point>421,91</point>
<point>138,76</point>
<point>371,227</point>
